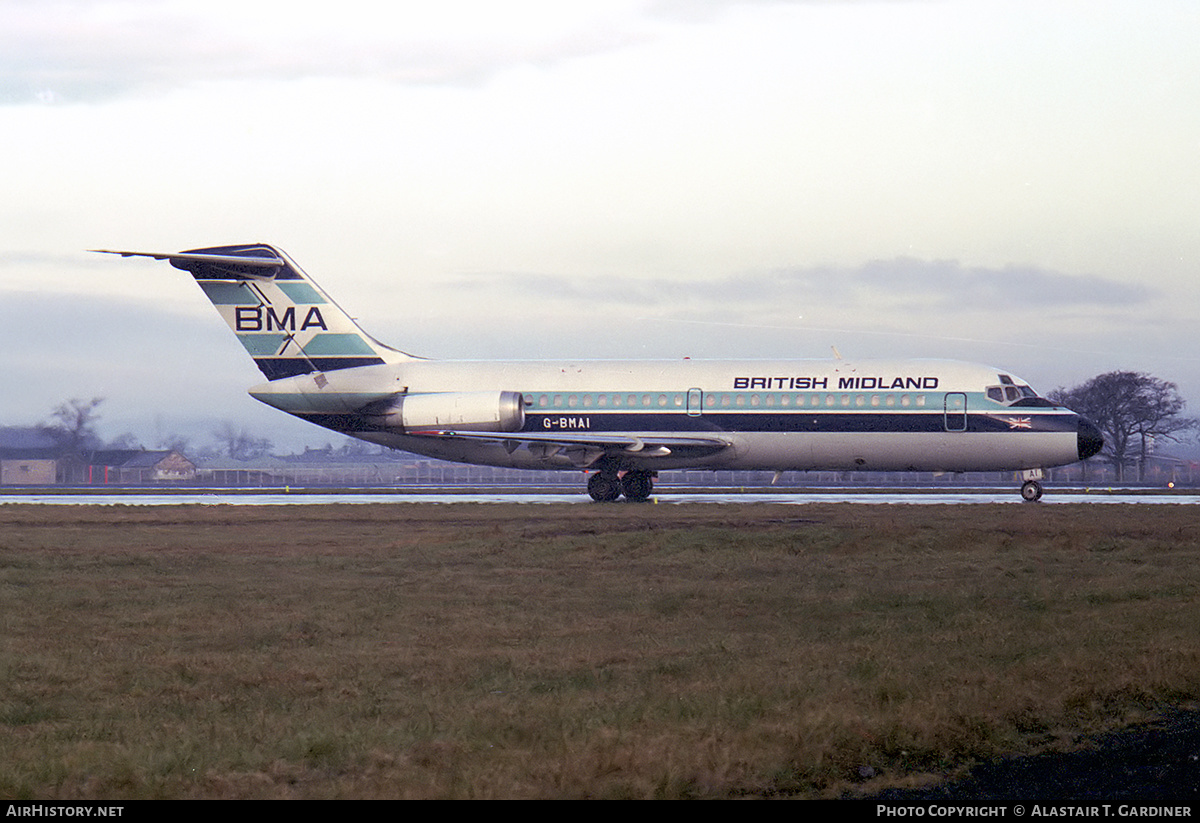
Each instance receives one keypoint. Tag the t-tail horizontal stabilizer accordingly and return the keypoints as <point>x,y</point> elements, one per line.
<point>284,320</point>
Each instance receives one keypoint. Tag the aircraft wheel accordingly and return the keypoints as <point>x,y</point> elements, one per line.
<point>637,486</point>
<point>604,488</point>
<point>1031,491</point>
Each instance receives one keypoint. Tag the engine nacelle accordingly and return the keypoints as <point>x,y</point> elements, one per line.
<point>483,411</point>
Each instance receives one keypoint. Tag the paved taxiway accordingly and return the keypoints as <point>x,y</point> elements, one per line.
<point>275,497</point>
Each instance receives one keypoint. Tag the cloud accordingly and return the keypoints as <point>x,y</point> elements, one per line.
<point>19,258</point>
<point>946,284</point>
<point>922,285</point>
<point>80,50</point>
<point>144,357</point>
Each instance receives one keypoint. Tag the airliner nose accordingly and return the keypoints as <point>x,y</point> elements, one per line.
<point>1091,441</point>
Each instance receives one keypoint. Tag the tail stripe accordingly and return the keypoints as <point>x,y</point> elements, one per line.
<point>302,294</point>
<point>263,345</point>
<point>337,345</point>
<point>224,293</point>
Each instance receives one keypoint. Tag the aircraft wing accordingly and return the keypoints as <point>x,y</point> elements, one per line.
<point>586,447</point>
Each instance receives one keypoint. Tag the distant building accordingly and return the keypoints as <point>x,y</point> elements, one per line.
<point>137,467</point>
<point>29,456</point>
<point>28,471</point>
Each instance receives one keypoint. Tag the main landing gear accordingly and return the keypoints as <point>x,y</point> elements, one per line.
<point>606,486</point>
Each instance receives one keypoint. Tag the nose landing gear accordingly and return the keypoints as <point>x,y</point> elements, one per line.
<point>1031,489</point>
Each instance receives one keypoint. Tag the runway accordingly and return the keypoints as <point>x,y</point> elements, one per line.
<point>299,496</point>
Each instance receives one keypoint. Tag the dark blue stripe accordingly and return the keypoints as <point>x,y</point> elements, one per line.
<point>278,367</point>
<point>340,422</point>
<point>791,421</point>
<point>808,423</point>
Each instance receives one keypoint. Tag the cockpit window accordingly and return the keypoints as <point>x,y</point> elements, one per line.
<point>1012,394</point>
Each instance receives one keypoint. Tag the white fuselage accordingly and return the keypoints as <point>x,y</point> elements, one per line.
<point>924,415</point>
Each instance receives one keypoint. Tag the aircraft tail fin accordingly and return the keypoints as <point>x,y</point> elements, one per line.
<point>286,322</point>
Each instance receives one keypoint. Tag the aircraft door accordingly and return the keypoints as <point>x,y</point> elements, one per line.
<point>695,402</point>
<point>956,412</point>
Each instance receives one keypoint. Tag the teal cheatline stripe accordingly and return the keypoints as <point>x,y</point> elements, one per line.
<point>301,293</point>
<point>337,345</point>
<point>227,294</point>
<point>262,344</point>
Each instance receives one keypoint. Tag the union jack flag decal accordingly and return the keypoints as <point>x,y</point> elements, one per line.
<point>1019,422</point>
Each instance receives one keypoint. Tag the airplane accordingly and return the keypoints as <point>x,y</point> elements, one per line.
<point>624,421</point>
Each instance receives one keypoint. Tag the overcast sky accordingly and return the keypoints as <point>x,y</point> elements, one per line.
<point>1015,183</point>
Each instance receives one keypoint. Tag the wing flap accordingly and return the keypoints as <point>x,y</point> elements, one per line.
<point>639,445</point>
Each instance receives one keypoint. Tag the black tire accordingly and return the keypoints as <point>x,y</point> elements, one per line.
<point>604,488</point>
<point>637,486</point>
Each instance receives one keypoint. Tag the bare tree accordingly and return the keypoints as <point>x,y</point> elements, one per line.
<point>73,425</point>
<point>1133,410</point>
<point>239,443</point>
<point>175,442</point>
<point>128,440</point>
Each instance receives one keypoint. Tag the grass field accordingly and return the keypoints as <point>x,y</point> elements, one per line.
<point>514,651</point>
